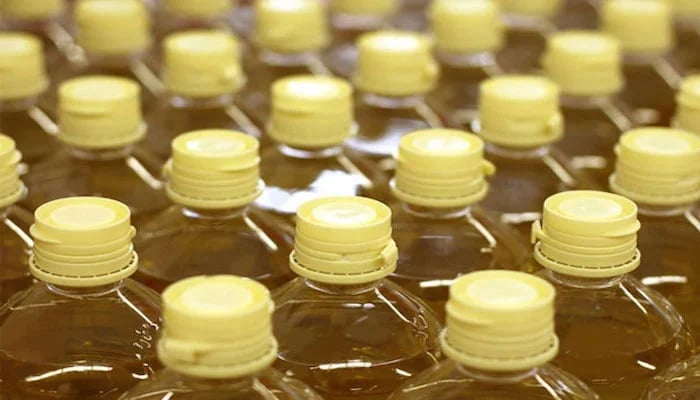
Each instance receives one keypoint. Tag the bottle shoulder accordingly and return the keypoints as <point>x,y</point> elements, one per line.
<point>450,381</point>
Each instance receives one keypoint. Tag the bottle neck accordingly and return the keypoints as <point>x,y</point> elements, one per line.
<point>584,102</point>
<point>101,154</point>
<point>517,153</point>
<point>226,214</point>
<point>583,283</point>
<point>494,377</point>
<point>276,59</point>
<point>114,61</point>
<point>641,59</point>
<point>180,101</point>
<point>435,212</point>
<point>90,291</point>
<point>214,385</point>
<point>21,104</point>
<point>380,101</point>
<point>466,60</point>
<point>341,290</point>
<point>660,211</point>
<point>309,154</point>
<point>358,23</point>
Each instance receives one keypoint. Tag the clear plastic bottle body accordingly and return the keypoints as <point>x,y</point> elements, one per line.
<point>181,242</point>
<point>668,241</point>
<point>436,246</point>
<point>316,173</point>
<point>14,252</point>
<point>357,341</point>
<point>18,120</point>
<point>175,115</point>
<point>71,343</point>
<point>451,381</point>
<point>647,91</point>
<point>615,333</point>
<point>681,381</point>
<point>116,173</point>
<point>268,385</point>
<point>525,44</point>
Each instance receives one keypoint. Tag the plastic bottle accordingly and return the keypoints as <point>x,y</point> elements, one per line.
<point>114,38</point>
<point>440,228</point>
<point>212,180</point>
<point>46,19</point>
<point>499,341</point>
<point>395,71</point>
<point>23,83</point>
<point>659,169</point>
<point>217,343</point>
<point>14,239</point>
<point>687,116</point>
<point>350,19</point>
<point>288,39</point>
<point>343,328</point>
<point>99,124</point>
<point>645,32</point>
<point>468,36</point>
<point>311,118</point>
<point>203,76</point>
<point>529,24</point>
<point>615,333</point>
<point>587,66</point>
<point>84,330</point>
<point>520,121</point>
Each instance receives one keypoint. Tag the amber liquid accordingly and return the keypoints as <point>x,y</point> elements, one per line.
<point>14,256</point>
<point>353,346</point>
<point>648,94</point>
<point>31,140</point>
<point>523,50</point>
<point>457,94</point>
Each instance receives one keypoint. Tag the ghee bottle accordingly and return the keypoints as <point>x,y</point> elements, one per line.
<point>349,20</point>
<point>212,179</point>
<point>343,328</point>
<point>289,38</point>
<point>520,121</point>
<point>645,32</point>
<point>15,242</point>
<point>114,38</point>
<point>85,330</point>
<point>499,342</point>
<point>659,169</point>
<point>99,125</point>
<point>217,343</point>
<point>440,227</point>
<point>203,76</point>
<point>396,70</point>
<point>687,115</point>
<point>468,37</point>
<point>587,66</point>
<point>23,83</point>
<point>615,333</point>
<point>312,116</point>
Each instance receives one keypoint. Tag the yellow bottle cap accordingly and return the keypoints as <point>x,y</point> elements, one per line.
<point>395,63</point>
<point>100,112</point>
<point>441,168</point>
<point>113,27</point>
<point>500,321</point>
<point>382,8</point>
<point>22,69</point>
<point>467,26</point>
<point>520,111</point>
<point>584,63</point>
<point>531,8</point>
<point>642,27</point>
<point>202,64</point>
<point>344,241</point>
<point>688,105</point>
<point>311,111</point>
<point>11,187</point>
<point>587,234</point>
<point>658,166</point>
<point>31,10</point>
<point>291,26</point>
<point>214,169</point>
<point>217,327</point>
<point>199,8</point>
<point>82,241</point>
